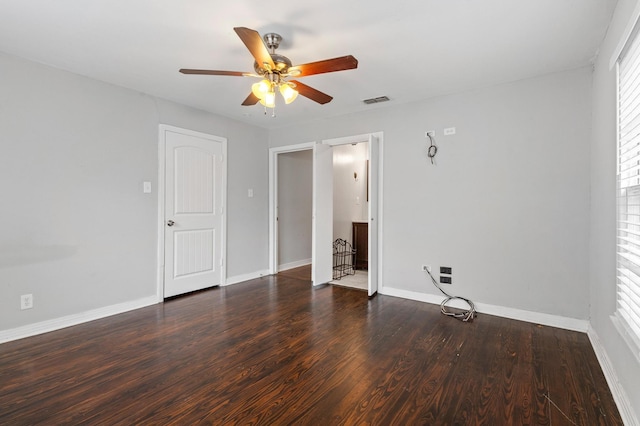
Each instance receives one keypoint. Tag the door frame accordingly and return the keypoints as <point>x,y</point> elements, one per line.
<point>162,129</point>
<point>273,182</point>
<point>376,262</point>
<point>273,198</point>
<point>322,232</point>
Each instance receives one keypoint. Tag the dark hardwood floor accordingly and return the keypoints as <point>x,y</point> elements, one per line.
<point>274,351</point>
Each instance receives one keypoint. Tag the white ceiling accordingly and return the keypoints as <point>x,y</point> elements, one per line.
<point>407,49</point>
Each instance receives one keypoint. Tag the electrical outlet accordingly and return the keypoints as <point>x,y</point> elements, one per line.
<point>426,268</point>
<point>26,301</point>
<point>445,280</point>
<point>445,270</point>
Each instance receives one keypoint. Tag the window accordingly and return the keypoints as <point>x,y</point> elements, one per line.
<point>628,191</point>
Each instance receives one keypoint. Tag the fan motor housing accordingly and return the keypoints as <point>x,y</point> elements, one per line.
<point>282,65</point>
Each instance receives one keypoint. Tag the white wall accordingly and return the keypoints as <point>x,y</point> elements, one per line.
<point>603,210</point>
<point>295,202</point>
<point>507,203</point>
<point>79,234</point>
<point>349,193</point>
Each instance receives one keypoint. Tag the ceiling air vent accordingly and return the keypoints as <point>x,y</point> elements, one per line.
<point>376,100</point>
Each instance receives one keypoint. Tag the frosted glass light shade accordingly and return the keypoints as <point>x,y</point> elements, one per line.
<point>269,100</point>
<point>261,88</point>
<point>288,93</point>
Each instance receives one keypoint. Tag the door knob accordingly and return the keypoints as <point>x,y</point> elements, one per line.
<point>170,223</point>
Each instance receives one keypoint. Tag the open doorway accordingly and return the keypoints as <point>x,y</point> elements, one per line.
<point>290,173</point>
<point>323,208</point>
<point>294,209</point>
<point>322,211</point>
<point>350,215</point>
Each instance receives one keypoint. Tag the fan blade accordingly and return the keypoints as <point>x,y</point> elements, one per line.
<point>311,93</point>
<point>213,72</point>
<point>329,65</point>
<point>256,46</point>
<point>251,100</point>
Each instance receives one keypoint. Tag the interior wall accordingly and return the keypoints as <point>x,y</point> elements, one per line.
<point>506,204</point>
<point>80,233</point>
<point>295,202</point>
<point>349,192</point>
<point>603,209</point>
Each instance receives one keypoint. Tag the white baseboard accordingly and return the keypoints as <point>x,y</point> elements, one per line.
<point>500,311</point>
<point>619,395</point>
<point>246,277</point>
<point>75,319</point>
<point>296,264</point>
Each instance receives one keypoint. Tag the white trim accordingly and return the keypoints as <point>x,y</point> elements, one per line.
<point>246,277</point>
<point>380,137</point>
<point>160,230</point>
<point>617,391</point>
<point>75,319</point>
<point>322,215</point>
<point>499,311</point>
<point>292,265</point>
<point>162,129</point>
<point>633,19</point>
<point>273,194</point>
<point>347,140</point>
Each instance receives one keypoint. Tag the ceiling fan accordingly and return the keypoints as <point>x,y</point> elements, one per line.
<point>275,71</point>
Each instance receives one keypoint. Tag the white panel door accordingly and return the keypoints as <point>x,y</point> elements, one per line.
<point>193,213</point>
<point>374,154</point>
<point>322,235</point>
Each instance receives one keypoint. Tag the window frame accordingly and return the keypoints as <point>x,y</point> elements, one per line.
<point>626,326</point>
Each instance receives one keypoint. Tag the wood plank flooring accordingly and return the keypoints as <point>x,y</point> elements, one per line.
<point>275,351</point>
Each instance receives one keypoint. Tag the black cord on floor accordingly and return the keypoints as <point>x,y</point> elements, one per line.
<point>465,316</point>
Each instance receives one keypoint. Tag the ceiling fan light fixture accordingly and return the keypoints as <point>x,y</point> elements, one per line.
<point>273,69</point>
<point>261,88</point>
<point>288,93</point>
